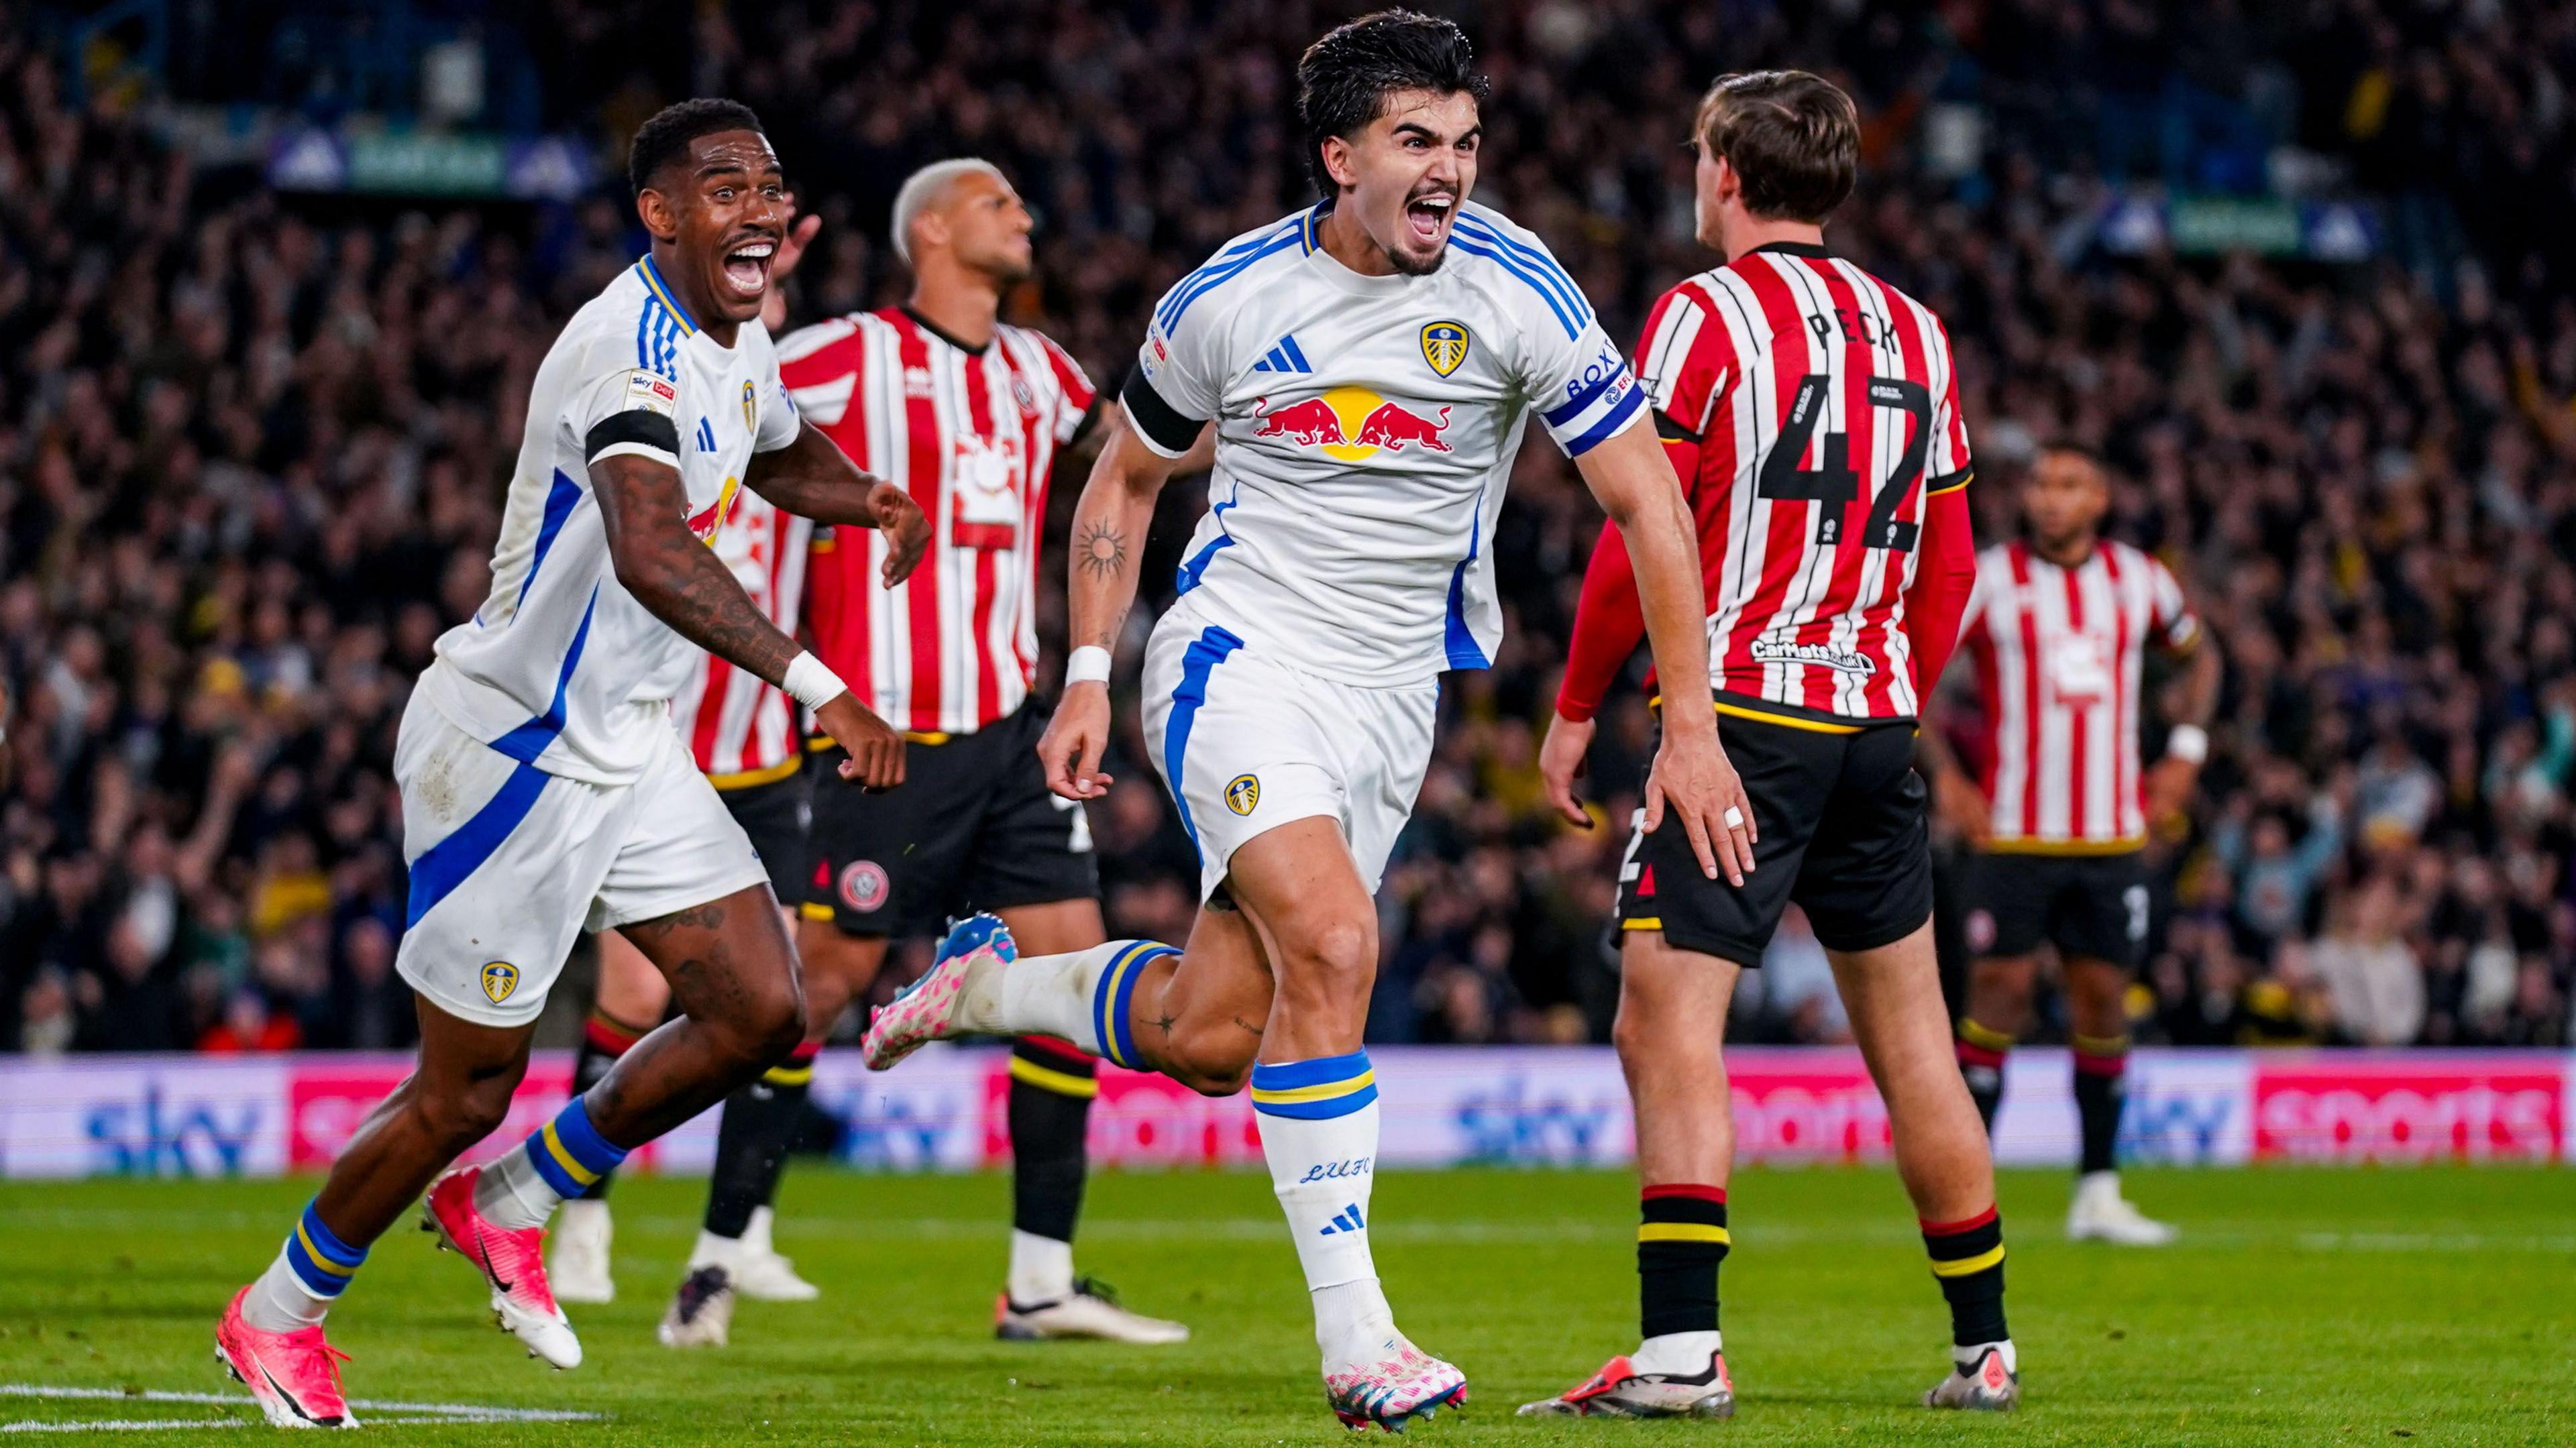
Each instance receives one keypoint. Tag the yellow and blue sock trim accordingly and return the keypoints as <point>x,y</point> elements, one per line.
<point>1316,1090</point>
<point>322,1262</point>
<point>570,1153</point>
<point>1116,990</point>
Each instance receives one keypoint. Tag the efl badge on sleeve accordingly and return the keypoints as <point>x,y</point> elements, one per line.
<point>1243,794</point>
<point>1444,346</point>
<point>499,979</point>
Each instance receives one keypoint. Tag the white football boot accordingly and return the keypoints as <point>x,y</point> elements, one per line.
<point>760,1274</point>
<point>1985,1378</point>
<point>578,1265</point>
<point>2099,1213</point>
<point>1090,1310</point>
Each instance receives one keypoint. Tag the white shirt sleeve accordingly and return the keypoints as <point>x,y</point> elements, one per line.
<point>1570,370</point>
<point>1179,381</point>
<point>626,410</point>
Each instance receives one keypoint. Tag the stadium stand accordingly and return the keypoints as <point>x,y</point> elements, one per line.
<point>251,445</point>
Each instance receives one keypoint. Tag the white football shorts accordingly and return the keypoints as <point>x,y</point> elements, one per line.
<point>1247,744</point>
<point>510,863</point>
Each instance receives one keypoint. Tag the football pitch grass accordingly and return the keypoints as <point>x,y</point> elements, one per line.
<point>2302,1306</point>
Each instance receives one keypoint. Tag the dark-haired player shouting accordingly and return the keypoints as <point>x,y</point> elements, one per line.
<point>1368,363</point>
<point>1812,410</point>
<point>544,790</point>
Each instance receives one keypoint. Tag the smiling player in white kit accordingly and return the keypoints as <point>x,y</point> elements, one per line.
<point>1369,391</point>
<point>544,791</point>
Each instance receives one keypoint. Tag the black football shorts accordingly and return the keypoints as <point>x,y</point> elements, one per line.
<point>1840,810</point>
<point>972,827</point>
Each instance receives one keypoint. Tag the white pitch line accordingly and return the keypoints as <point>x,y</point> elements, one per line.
<point>448,1412</point>
<point>127,1425</point>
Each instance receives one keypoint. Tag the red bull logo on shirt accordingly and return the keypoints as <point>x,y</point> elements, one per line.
<point>708,519</point>
<point>1351,423</point>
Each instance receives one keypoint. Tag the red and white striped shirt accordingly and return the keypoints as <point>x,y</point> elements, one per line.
<point>971,435</point>
<point>742,729</point>
<point>1824,414</point>
<point>2059,652</point>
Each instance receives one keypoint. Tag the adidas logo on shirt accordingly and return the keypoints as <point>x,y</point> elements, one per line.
<point>1283,357</point>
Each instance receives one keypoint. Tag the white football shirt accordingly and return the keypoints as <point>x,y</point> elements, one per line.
<point>1365,434</point>
<point>561,667</point>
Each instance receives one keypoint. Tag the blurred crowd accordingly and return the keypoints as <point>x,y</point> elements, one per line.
<point>252,450</point>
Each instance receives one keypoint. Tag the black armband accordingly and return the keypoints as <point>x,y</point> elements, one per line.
<point>1169,431</point>
<point>639,428</point>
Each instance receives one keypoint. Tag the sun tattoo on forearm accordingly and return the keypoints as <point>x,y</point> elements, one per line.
<point>1101,552</point>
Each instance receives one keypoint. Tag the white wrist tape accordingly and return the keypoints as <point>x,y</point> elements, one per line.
<point>1088,664</point>
<point>2188,743</point>
<point>810,683</point>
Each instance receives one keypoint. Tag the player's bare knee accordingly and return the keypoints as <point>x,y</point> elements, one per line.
<point>767,1023</point>
<point>1212,1063</point>
<point>779,1021</point>
<point>1634,1033</point>
<point>1329,961</point>
<point>456,1119</point>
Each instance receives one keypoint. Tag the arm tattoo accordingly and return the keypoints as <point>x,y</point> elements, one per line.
<point>1107,637</point>
<point>675,576</point>
<point>1102,551</point>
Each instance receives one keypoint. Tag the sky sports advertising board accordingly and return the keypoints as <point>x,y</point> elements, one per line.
<point>257,1116</point>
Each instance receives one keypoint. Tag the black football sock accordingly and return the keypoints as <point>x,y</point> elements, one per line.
<point>1050,1108</point>
<point>604,1038</point>
<point>2101,1086</point>
<point>1968,1260</point>
<point>1681,1239</point>
<point>751,1142</point>
<point>1981,1061</point>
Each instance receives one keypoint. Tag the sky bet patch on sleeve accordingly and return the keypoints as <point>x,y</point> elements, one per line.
<point>652,392</point>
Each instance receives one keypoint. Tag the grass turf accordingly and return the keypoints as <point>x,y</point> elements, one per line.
<point>2331,1306</point>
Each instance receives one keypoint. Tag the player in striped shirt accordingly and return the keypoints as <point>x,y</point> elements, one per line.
<point>971,415</point>
<point>1812,413</point>
<point>2058,630</point>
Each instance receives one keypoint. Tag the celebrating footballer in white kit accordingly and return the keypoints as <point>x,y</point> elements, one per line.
<point>1369,364</point>
<point>544,791</point>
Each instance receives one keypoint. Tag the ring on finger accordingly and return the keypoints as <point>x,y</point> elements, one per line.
<point>1734,818</point>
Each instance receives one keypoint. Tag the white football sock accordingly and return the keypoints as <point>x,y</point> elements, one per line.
<point>1683,1354</point>
<point>1966,1357</point>
<point>277,1302</point>
<point>710,1248</point>
<point>1041,1269</point>
<point>756,1240</point>
<point>512,1193</point>
<point>1076,996</point>
<point>590,1213</point>
<point>1319,1133</point>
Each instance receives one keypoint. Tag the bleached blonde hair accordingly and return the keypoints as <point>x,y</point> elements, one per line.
<point>924,188</point>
